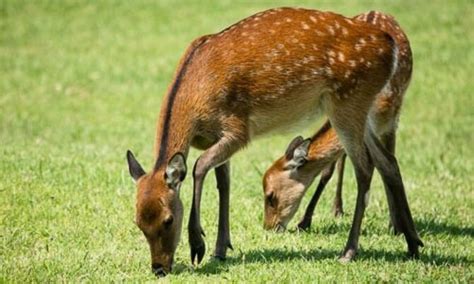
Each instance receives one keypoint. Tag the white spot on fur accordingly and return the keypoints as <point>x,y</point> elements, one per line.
<point>331,60</point>
<point>352,63</point>
<point>315,47</point>
<point>288,20</point>
<point>277,23</point>
<point>341,56</point>
<point>337,25</point>
<point>380,50</point>
<point>328,70</point>
<point>320,33</point>
<point>331,53</point>
<point>272,31</point>
<point>244,34</point>
<point>294,40</point>
<point>280,46</point>
<point>345,31</point>
<point>347,74</point>
<point>331,30</point>
<point>305,26</point>
<point>313,19</point>
<point>368,64</point>
<point>302,45</point>
<point>348,21</point>
<point>361,60</point>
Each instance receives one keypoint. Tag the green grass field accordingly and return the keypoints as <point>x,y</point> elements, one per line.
<point>82,82</point>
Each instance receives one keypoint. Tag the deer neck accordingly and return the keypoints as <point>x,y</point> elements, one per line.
<point>175,131</point>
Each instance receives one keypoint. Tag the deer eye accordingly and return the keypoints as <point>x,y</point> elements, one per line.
<point>168,221</point>
<point>270,199</point>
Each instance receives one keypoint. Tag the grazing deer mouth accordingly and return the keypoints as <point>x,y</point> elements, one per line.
<point>279,228</point>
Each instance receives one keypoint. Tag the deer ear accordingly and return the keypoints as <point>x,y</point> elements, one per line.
<point>292,146</point>
<point>299,155</point>
<point>175,171</point>
<point>134,167</point>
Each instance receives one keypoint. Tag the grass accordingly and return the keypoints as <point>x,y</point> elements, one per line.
<point>82,82</point>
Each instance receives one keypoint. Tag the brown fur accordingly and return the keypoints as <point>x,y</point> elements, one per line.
<point>325,147</point>
<point>264,73</point>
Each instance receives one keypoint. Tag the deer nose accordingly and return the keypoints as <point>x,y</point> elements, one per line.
<point>279,228</point>
<point>158,270</point>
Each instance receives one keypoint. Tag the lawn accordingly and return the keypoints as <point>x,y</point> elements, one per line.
<point>82,82</point>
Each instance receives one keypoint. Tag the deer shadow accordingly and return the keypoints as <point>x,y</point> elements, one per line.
<point>434,227</point>
<point>274,255</point>
<point>424,227</point>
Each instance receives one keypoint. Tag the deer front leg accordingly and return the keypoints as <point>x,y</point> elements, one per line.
<point>223,236</point>
<point>337,208</point>
<point>217,154</point>
<point>326,175</point>
<point>195,231</point>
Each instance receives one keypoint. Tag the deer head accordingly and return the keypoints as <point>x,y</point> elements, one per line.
<point>159,211</point>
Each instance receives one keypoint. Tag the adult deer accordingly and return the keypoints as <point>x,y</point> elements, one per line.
<point>286,181</point>
<point>263,73</point>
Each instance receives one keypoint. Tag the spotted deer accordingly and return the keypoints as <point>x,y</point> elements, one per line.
<point>286,181</point>
<point>265,73</point>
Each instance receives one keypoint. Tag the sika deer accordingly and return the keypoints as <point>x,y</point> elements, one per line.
<point>264,73</point>
<point>289,177</point>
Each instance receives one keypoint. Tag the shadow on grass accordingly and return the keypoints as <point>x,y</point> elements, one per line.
<point>266,256</point>
<point>429,227</point>
<point>424,227</point>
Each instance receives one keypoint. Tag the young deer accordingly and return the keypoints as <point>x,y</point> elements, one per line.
<point>286,181</point>
<point>264,73</point>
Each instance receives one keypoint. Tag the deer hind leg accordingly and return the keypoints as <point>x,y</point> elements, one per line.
<point>337,207</point>
<point>387,165</point>
<point>388,141</point>
<point>349,119</point>
<point>326,175</point>
<point>213,157</point>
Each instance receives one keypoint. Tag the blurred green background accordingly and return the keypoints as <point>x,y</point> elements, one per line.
<point>82,82</point>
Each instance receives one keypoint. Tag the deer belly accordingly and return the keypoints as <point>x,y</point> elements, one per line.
<point>285,113</point>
